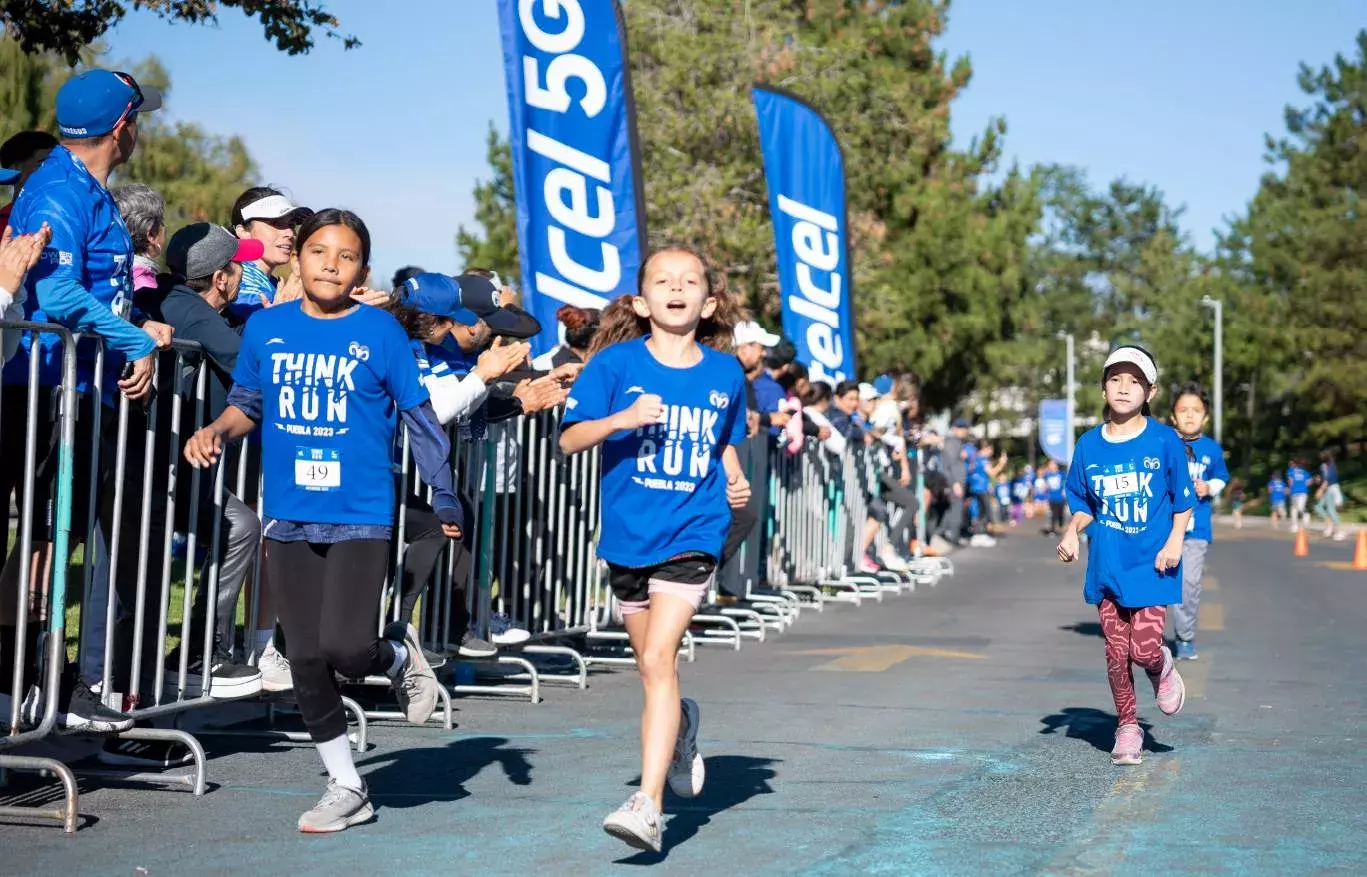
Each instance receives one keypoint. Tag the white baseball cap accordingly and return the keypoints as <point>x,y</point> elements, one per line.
<point>867,393</point>
<point>1135,356</point>
<point>753,333</point>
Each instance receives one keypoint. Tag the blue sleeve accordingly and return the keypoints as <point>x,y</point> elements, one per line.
<point>247,371</point>
<point>1079,497</point>
<point>245,400</point>
<point>738,425</point>
<point>56,281</point>
<point>401,377</point>
<point>1219,470</point>
<point>591,396</point>
<point>1180,489</point>
<point>431,451</point>
<point>768,395</point>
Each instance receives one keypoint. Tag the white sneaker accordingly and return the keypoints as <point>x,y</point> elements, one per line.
<point>275,669</point>
<point>503,633</point>
<point>982,540</point>
<point>636,823</point>
<point>891,561</point>
<point>416,685</point>
<point>687,771</point>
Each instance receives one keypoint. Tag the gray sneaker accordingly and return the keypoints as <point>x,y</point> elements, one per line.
<point>275,670</point>
<point>637,823</point>
<point>416,686</point>
<point>686,770</point>
<point>338,809</point>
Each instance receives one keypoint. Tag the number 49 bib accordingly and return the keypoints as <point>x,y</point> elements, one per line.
<point>317,469</point>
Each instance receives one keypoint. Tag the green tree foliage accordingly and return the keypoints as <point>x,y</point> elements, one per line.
<point>1303,249</point>
<point>494,244</point>
<point>198,174</point>
<point>68,27</point>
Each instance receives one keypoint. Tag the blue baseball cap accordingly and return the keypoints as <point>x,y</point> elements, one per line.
<point>93,103</point>
<point>467,299</point>
<point>883,384</point>
<point>9,177</point>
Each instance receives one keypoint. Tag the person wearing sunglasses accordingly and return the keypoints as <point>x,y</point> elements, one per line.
<point>83,281</point>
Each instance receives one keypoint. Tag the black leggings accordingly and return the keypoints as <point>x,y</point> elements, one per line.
<point>426,542</point>
<point>329,601</point>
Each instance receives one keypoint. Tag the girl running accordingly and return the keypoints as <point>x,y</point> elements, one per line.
<point>1056,497</point>
<point>666,401</point>
<point>1299,481</point>
<point>1276,497</point>
<point>1130,477</point>
<point>1209,475</point>
<point>328,378</point>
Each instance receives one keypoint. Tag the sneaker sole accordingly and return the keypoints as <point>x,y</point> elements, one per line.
<point>134,761</point>
<point>477,653</point>
<point>629,837</point>
<point>693,781</point>
<point>1181,697</point>
<point>276,687</point>
<point>365,814</point>
<point>220,689</point>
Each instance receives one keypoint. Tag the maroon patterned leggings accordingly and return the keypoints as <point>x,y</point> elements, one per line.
<point>1131,635</point>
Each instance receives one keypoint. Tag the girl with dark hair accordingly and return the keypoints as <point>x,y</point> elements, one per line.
<point>327,379</point>
<point>1129,477</point>
<point>266,215</point>
<point>1209,475</point>
<point>666,400</point>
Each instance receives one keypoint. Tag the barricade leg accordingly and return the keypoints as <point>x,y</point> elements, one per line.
<point>66,814</point>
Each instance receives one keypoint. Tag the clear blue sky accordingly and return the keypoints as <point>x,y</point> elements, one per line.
<point>1174,94</point>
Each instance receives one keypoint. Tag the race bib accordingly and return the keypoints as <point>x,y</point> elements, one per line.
<point>1122,483</point>
<point>316,469</point>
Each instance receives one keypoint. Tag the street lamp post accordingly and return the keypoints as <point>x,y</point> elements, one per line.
<point>1218,307</point>
<point>1072,410</point>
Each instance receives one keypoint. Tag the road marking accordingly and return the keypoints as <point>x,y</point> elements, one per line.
<point>1130,806</point>
<point>1212,617</point>
<point>1210,583</point>
<point>1340,565</point>
<point>1196,675</point>
<point>876,659</point>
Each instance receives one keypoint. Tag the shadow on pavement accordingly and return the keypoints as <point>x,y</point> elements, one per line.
<point>1095,727</point>
<point>731,781</point>
<point>414,776</point>
<point>1086,628</point>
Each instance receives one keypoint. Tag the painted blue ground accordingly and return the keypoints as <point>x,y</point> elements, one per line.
<point>935,766</point>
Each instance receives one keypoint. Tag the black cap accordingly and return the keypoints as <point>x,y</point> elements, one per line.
<point>480,295</point>
<point>780,354</point>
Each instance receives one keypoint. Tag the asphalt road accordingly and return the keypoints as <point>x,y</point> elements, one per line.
<point>963,729</point>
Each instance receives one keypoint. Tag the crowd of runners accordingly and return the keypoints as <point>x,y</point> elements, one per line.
<point>325,372</point>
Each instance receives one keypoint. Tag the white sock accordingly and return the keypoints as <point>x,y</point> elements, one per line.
<point>262,638</point>
<point>400,657</point>
<point>336,755</point>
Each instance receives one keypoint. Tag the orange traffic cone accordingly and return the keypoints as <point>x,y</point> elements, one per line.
<point>1302,542</point>
<point>1360,552</point>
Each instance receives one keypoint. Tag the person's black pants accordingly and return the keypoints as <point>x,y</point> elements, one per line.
<point>426,542</point>
<point>1057,511</point>
<point>329,599</point>
<point>902,527</point>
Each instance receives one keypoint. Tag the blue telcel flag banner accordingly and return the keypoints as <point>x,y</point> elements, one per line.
<point>806,176</point>
<point>1053,429</point>
<point>576,167</point>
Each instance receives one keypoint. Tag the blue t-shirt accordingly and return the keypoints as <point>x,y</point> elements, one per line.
<point>664,489</point>
<point>90,249</point>
<point>1020,489</point>
<point>978,479</point>
<point>1206,462</point>
<point>1132,488</point>
<point>1300,481</point>
<point>254,293</point>
<point>1330,473</point>
<point>1003,493</point>
<point>1053,487</point>
<point>331,390</point>
<point>1276,490</point>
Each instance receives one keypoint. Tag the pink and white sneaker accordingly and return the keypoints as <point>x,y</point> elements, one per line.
<point>1129,743</point>
<point>1168,688</point>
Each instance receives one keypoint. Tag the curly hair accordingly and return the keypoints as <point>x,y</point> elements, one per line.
<point>418,324</point>
<point>581,324</point>
<point>619,321</point>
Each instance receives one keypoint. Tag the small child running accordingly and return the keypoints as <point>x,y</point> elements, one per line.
<point>1209,475</point>
<point>1130,477</point>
